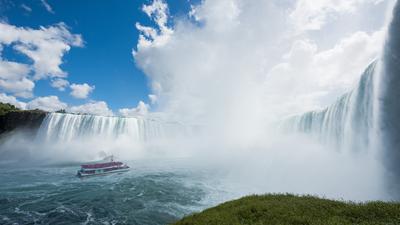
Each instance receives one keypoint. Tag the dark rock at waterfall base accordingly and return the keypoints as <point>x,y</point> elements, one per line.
<point>29,120</point>
<point>389,103</point>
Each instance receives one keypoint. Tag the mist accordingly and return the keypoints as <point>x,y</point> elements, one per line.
<point>274,162</point>
<point>240,77</point>
<point>229,80</point>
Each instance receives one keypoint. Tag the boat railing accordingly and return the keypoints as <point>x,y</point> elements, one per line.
<point>101,165</point>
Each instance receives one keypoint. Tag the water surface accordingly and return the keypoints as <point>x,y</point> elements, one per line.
<point>152,192</point>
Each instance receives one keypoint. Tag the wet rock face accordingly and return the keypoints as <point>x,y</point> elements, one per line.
<point>27,120</point>
<point>390,103</point>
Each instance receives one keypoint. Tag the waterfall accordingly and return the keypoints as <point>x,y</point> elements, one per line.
<point>366,118</point>
<point>389,104</point>
<point>349,122</point>
<point>64,128</point>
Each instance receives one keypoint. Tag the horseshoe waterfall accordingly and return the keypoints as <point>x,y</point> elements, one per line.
<point>173,109</point>
<point>367,118</point>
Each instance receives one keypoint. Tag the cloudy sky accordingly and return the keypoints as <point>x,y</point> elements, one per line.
<point>186,58</point>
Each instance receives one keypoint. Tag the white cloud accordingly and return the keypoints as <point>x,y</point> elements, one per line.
<point>47,6</point>
<point>313,79</point>
<point>95,108</point>
<point>313,14</point>
<point>13,70</point>
<point>20,88</point>
<point>53,103</point>
<point>158,12</point>
<point>12,100</point>
<point>81,90</point>
<point>229,69</point>
<point>13,79</point>
<point>141,109</point>
<point>219,15</point>
<point>210,69</point>
<point>60,84</point>
<point>45,47</point>
<point>48,103</point>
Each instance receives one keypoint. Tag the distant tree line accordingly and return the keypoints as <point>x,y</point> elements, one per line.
<point>6,107</point>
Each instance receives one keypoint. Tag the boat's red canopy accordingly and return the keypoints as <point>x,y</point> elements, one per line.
<point>101,165</point>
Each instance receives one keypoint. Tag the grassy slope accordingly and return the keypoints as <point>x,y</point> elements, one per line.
<point>290,209</point>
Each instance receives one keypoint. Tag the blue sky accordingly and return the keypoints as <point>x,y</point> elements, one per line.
<point>194,58</point>
<point>105,60</point>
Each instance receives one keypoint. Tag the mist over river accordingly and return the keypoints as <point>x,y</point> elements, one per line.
<point>153,192</point>
<point>225,128</point>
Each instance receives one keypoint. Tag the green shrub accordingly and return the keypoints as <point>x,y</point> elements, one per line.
<point>296,210</point>
<point>6,107</point>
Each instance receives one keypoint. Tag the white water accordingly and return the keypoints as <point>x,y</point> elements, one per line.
<point>350,123</point>
<point>266,163</point>
<point>64,137</point>
<point>64,128</point>
<point>366,119</point>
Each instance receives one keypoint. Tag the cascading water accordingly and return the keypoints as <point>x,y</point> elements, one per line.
<point>349,122</point>
<point>389,104</point>
<point>61,127</point>
<point>86,137</point>
<point>367,117</point>
<point>161,189</point>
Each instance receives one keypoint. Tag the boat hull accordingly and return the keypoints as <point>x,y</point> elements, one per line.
<point>98,173</point>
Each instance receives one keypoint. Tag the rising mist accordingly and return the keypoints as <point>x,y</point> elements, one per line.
<point>222,98</point>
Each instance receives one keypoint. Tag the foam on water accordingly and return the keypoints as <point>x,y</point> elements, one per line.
<point>52,195</point>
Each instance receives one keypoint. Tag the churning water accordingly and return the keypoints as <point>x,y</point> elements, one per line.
<point>357,160</point>
<point>152,192</point>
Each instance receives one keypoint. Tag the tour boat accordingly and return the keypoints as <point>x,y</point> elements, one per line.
<point>106,166</point>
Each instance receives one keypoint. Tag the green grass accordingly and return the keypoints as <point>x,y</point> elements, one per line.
<point>297,210</point>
